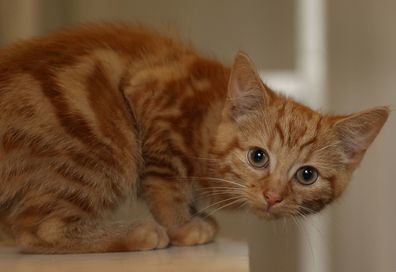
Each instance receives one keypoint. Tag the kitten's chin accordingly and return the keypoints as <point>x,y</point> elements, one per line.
<point>267,215</point>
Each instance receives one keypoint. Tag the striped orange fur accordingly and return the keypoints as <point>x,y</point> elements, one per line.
<point>93,115</point>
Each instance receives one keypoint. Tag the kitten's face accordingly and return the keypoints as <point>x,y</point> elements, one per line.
<point>283,158</point>
<point>288,161</point>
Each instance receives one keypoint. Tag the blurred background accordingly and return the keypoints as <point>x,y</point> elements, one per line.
<point>335,55</point>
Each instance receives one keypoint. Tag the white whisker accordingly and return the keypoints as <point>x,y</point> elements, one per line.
<point>221,191</point>
<point>219,202</point>
<point>219,187</point>
<point>222,180</point>
<point>224,206</point>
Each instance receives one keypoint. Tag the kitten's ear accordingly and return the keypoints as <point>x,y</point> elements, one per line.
<point>357,131</point>
<point>246,92</point>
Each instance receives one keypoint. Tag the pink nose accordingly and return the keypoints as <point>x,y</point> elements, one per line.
<point>272,198</point>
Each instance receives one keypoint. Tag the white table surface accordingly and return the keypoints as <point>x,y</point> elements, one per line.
<point>222,255</point>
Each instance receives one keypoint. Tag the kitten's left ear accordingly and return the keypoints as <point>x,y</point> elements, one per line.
<point>357,131</point>
<point>246,91</point>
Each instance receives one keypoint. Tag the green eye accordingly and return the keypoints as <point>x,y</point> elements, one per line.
<point>258,157</point>
<point>307,175</point>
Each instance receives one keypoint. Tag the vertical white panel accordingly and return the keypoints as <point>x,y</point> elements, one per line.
<point>311,50</point>
<point>308,85</point>
<point>311,68</point>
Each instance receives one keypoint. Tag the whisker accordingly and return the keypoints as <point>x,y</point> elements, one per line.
<point>220,179</point>
<point>219,187</point>
<point>209,192</point>
<point>209,178</point>
<point>220,191</point>
<point>306,209</point>
<point>242,159</point>
<point>244,203</point>
<point>218,202</point>
<point>208,195</point>
<point>214,189</point>
<point>224,206</point>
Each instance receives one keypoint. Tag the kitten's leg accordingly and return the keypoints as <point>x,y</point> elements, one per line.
<point>62,235</point>
<point>170,204</point>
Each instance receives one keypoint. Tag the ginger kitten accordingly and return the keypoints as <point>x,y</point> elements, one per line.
<point>93,115</point>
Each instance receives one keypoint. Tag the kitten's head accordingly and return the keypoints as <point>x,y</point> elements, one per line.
<point>281,157</point>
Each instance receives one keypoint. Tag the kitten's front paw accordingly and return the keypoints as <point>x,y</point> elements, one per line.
<point>147,235</point>
<point>198,231</point>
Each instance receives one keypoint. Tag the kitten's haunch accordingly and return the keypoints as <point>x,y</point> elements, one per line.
<point>93,115</point>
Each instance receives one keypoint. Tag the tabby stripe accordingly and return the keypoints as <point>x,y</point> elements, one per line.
<point>309,142</point>
<point>178,153</point>
<point>302,132</point>
<point>234,144</point>
<point>72,122</point>
<point>161,162</point>
<point>280,133</point>
<point>291,129</point>
<point>227,170</point>
<point>70,173</point>
<point>146,107</point>
<point>16,138</point>
<point>319,124</point>
<point>281,110</point>
<point>158,174</point>
<point>85,160</point>
<point>71,219</point>
<point>10,202</point>
<point>106,102</point>
<point>30,217</point>
<point>77,199</point>
<point>12,140</point>
<point>93,163</point>
<point>317,129</point>
<point>159,170</point>
<point>116,188</point>
<point>17,171</point>
<point>170,99</point>
<point>141,89</point>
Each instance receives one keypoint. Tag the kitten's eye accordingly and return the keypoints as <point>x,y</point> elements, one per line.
<point>258,157</point>
<point>307,175</point>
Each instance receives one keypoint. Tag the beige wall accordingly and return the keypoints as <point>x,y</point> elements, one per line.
<point>362,73</point>
<point>263,28</point>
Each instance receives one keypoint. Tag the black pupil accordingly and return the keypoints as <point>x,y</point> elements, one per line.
<point>258,155</point>
<point>308,173</point>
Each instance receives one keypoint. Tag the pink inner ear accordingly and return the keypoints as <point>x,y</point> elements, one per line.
<point>243,77</point>
<point>358,131</point>
<point>246,92</point>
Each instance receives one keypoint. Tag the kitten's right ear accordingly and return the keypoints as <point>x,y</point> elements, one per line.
<point>357,131</point>
<point>246,91</point>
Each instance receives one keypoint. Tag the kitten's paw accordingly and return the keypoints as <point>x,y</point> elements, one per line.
<point>147,235</point>
<point>198,231</point>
